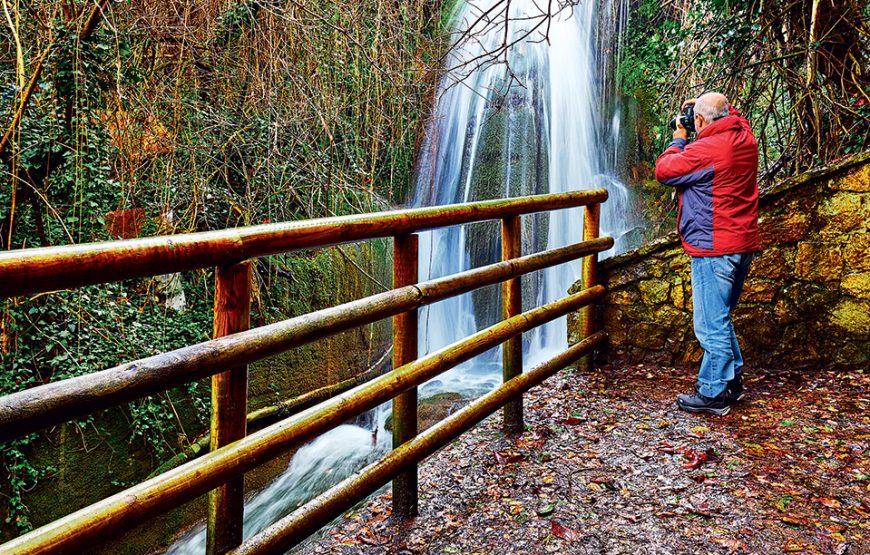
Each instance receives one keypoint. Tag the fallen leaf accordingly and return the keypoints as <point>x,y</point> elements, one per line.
<point>565,533</point>
<point>783,502</point>
<point>369,537</point>
<point>796,519</point>
<point>732,545</point>
<point>697,458</point>
<point>830,503</point>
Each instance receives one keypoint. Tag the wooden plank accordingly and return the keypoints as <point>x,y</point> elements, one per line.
<point>511,305</point>
<point>229,407</point>
<point>29,271</point>
<point>405,251</point>
<point>591,224</point>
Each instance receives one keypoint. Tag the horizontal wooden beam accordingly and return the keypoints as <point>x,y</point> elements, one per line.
<point>123,511</point>
<point>289,531</point>
<point>29,271</point>
<point>53,403</point>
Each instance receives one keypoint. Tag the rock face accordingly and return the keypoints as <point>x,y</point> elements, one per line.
<point>806,302</point>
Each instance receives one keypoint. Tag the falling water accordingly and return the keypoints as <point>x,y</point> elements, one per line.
<point>530,120</point>
<point>535,120</point>
<point>314,468</point>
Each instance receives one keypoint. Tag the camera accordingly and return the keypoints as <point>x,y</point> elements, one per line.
<point>687,119</point>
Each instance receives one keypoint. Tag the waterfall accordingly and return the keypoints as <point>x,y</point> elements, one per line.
<point>529,120</point>
<point>314,468</point>
<point>538,123</point>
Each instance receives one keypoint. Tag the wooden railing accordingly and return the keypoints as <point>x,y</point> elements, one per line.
<point>225,358</point>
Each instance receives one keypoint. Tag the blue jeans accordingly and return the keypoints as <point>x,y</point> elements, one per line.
<point>716,285</point>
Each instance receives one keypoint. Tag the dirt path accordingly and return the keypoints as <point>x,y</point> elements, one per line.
<point>608,465</point>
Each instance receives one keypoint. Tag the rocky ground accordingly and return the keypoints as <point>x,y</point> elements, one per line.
<point>609,465</point>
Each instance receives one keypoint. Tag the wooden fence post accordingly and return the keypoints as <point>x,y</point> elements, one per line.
<point>511,305</point>
<point>405,250</point>
<point>591,220</point>
<point>229,406</point>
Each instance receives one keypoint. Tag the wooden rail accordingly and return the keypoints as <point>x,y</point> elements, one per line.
<point>49,269</point>
<point>226,357</point>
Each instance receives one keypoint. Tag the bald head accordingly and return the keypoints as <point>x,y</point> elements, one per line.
<point>711,106</point>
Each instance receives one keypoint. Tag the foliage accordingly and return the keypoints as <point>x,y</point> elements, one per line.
<point>91,329</point>
<point>798,70</point>
<point>204,115</point>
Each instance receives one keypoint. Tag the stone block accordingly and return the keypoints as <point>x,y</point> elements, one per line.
<point>772,264</point>
<point>857,180</point>
<point>852,354</point>
<point>844,212</point>
<point>757,326</point>
<point>622,296</point>
<point>680,264</point>
<point>789,227</point>
<point>680,293</point>
<point>622,276</point>
<point>856,251</point>
<point>759,291</point>
<point>853,317</point>
<point>672,318</point>
<point>691,353</point>
<point>801,301</point>
<point>800,343</point>
<point>649,336</point>
<point>857,285</point>
<point>654,291</point>
<point>819,261</point>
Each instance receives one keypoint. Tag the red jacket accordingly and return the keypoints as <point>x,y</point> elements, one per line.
<point>716,178</point>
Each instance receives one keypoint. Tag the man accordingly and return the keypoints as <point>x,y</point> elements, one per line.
<point>717,220</point>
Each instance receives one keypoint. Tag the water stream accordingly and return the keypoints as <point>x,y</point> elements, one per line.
<point>531,120</point>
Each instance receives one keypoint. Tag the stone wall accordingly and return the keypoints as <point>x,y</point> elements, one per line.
<point>806,302</point>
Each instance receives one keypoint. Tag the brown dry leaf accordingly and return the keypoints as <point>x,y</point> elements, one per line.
<point>796,519</point>
<point>368,537</point>
<point>731,544</point>
<point>830,503</point>
<point>565,533</point>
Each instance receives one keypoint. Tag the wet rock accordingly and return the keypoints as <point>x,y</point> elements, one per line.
<point>649,336</point>
<point>819,261</point>
<point>772,264</point>
<point>785,228</point>
<point>857,285</point>
<point>855,252</point>
<point>853,317</point>
<point>654,291</point>
<point>844,212</point>
<point>759,291</point>
<point>434,409</point>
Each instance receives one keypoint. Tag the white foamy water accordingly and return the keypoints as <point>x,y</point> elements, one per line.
<point>540,127</point>
<point>534,125</point>
<point>314,468</point>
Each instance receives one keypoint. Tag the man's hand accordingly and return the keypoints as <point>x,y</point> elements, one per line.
<point>690,102</point>
<point>680,132</point>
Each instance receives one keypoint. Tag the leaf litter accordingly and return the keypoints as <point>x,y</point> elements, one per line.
<point>608,465</point>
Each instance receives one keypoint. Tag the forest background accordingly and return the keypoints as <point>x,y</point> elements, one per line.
<point>133,118</point>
